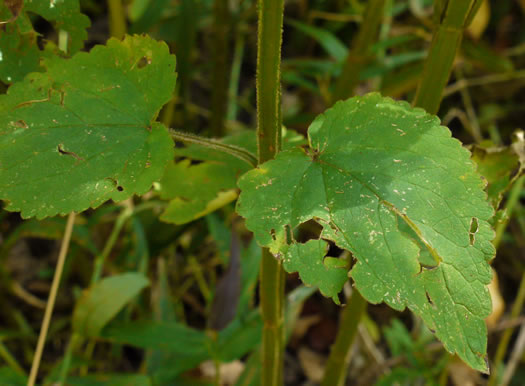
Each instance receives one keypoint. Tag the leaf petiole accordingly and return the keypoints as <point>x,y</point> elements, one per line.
<point>233,150</point>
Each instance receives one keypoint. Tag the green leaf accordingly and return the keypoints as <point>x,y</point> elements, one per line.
<point>100,303</point>
<point>188,346</point>
<point>10,377</point>
<point>309,260</point>
<point>110,380</point>
<point>331,44</point>
<point>65,15</point>
<point>496,164</point>
<point>19,54</point>
<point>82,132</point>
<point>197,190</point>
<point>373,164</point>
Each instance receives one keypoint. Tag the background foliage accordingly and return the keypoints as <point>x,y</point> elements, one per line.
<point>180,275</point>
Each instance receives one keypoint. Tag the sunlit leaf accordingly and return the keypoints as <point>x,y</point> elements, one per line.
<point>82,132</point>
<point>372,165</point>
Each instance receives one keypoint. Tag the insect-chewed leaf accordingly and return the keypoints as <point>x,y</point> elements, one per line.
<point>386,182</point>
<point>82,132</point>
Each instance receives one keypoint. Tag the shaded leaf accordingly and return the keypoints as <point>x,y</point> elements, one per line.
<point>330,43</point>
<point>188,347</point>
<point>374,163</point>
<point>10,377</point>
<point>496,164</point>
<point>197,190</point>
<point>82,133</point>
<point>19,53</point>
<point>100,303</point>
<point>314,269</point>
<point>110,380</point>
<point>64,15</point>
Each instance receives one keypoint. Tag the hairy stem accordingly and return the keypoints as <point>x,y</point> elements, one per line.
<point>51,300</point>
<point>270,24</point>
<point>235,151</point>
<point>451,18</point>
<point>268,78</point>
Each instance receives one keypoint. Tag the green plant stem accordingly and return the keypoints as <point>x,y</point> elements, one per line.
<point>10,359</point>
<point>235,151</point>
<point>271,279</point>
<point>360,54</point>
<point>125,215</point>
<point>117,19</point>
<point>268,78</point>
<point>75,341</point>
<point>110,243</point>
<point>233,88</point>
<point>51,300</point>
<point>337,364</point>
<point>271,284</point>
<point>512,201</point>
<point>451,18</point>
<point>517,307</point>
<point>219,98</point>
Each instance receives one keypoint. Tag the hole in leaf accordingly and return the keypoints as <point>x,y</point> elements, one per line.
<point>272,232</point>
<point>63,151</point>
<point>308,230</point>
<point>473,229</point>
<point>429,299</point>
<point>143,62</point>
<point>120,188</point>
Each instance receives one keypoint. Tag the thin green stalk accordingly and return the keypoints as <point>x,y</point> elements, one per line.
<point>117,19</point>
<point>512,201</point>
<point>233,150</point>
<point>337,365</point>
<point>219,98</point>
<point>75,341</point>
<point>10,359</point>
<point>233,88</point>
<point>51,300</point>
<point>517,307</point>
<point>271,282</point>
<point>451,18</point>
<point>110,242</point>
<point>360,54</point>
